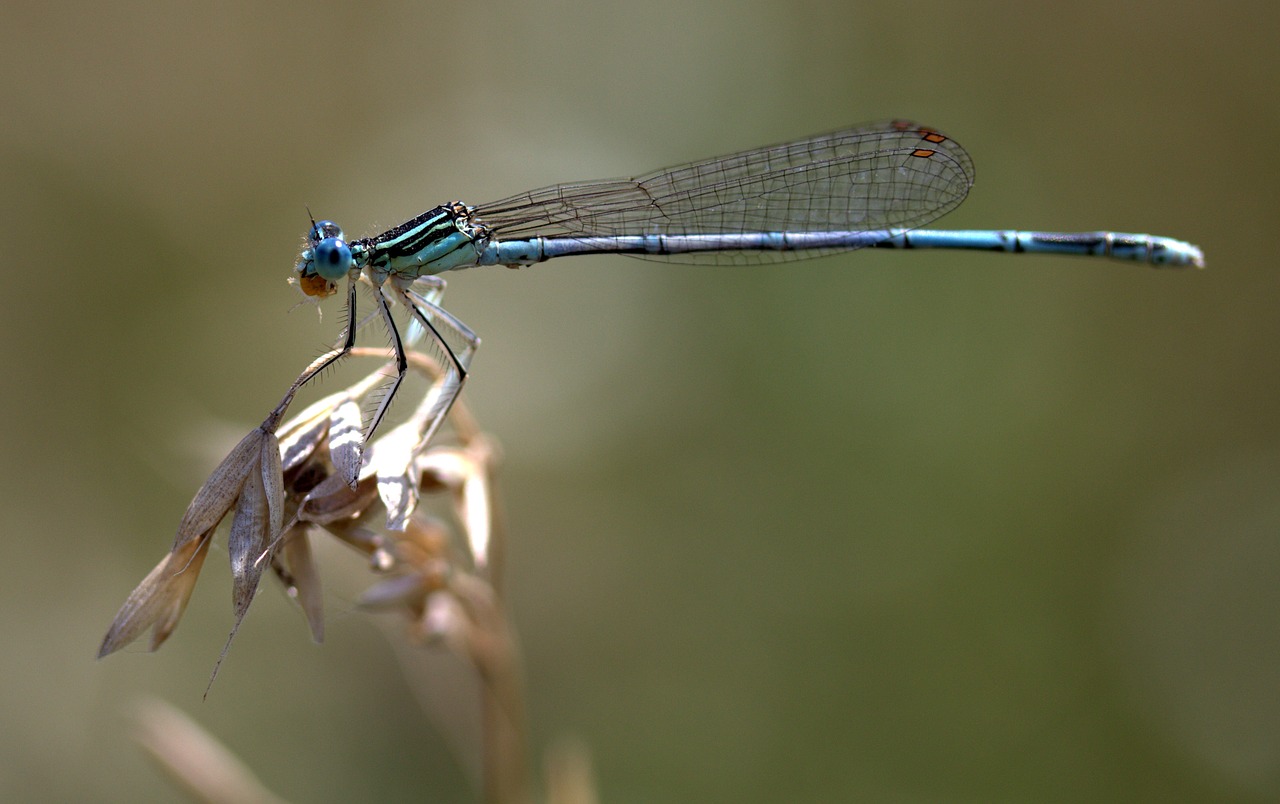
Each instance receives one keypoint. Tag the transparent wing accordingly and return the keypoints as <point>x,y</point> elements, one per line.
<point>879,176</point>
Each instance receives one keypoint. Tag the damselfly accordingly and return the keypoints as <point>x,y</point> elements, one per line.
<point>870,185</point>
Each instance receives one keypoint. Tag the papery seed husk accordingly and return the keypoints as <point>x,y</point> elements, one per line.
<point>449,466</point>
<point>315,412</point>
<point>346,439</point>
<point>320,411</point>
<point>392,460</point>
<point>399,493</point>
<point>306,580</point>
<point>474,507</point>
<point>159,600</point>
<point>398,591</point>
<point>273,486</point>
<point>459,470</point>
<point>393,453</point>
<point>219,492</point>
<point>182,593</point>
<point>250,535</point>
<point>299,444</point>
<point>444,620</point>
<point>333,500</point>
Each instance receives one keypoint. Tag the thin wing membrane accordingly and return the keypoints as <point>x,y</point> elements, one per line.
<point>868,178</point>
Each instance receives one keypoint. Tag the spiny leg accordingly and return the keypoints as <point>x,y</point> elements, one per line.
<point>432,318</point>
<point>454,366</point>
<point>424,295</point>
<point>430,287</point>
<point>321,363</point>
<point>402,366</point>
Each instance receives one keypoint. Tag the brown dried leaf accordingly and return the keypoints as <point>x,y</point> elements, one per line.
<point>219,492</point>
<point>159,600</point>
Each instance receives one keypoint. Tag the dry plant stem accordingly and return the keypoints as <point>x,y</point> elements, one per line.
<point>505,761</point>
<point>494,651</point>
<point>504,730</point>
<point>198,762</point>
<point>502,690</point>
<point>568,774</point>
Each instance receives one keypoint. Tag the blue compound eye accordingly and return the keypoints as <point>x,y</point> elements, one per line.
<point>331,258</point>
<point>324,229</point>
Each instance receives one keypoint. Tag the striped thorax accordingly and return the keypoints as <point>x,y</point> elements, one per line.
<point>442,239</point>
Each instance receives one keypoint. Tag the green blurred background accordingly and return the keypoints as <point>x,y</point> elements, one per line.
<point>882,526</point>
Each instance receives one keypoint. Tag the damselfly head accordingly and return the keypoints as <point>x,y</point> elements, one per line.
<point>327,261</point>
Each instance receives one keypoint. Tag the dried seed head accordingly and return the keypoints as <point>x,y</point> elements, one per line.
<point>278,488</point>
<point>159,600</point>
<point>220,491</point>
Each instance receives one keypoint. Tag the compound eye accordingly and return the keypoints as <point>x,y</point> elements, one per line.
<point>331,258</point>
<point>325,229</point>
